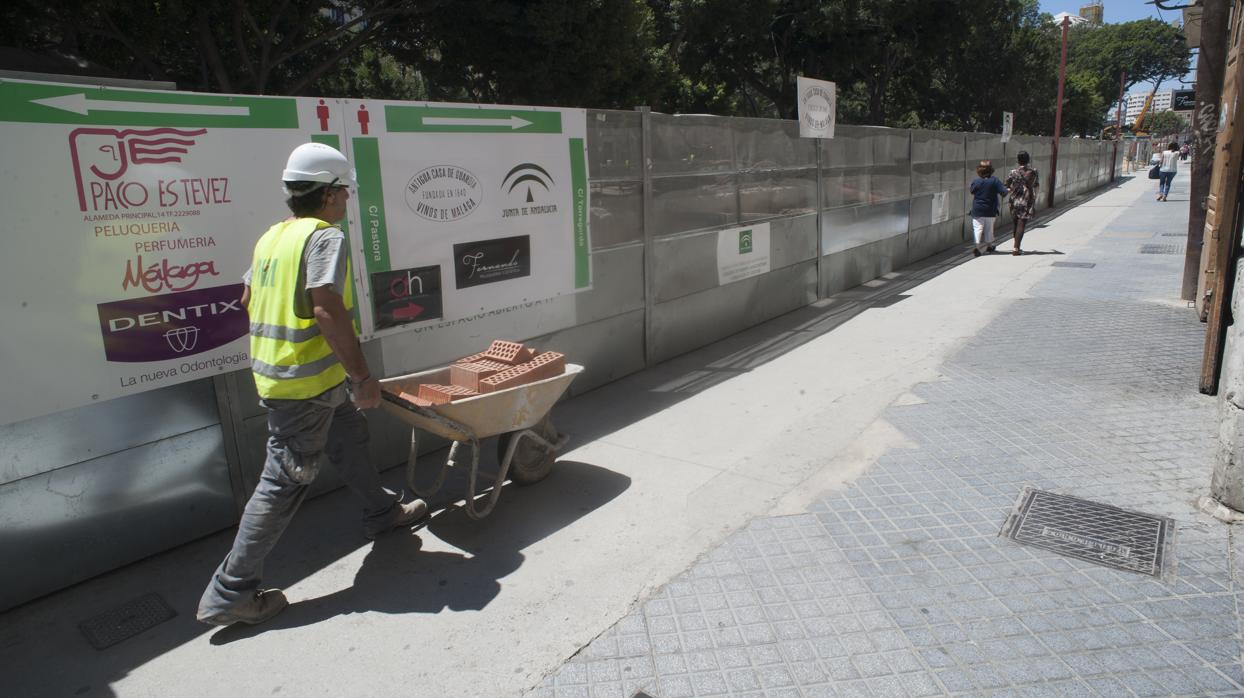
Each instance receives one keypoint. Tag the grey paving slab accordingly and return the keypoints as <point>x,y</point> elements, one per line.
<point>900,585</point>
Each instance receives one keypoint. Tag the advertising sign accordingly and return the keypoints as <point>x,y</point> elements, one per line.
<point>1008,120</point>
<point>490,203</point>
<point>742,253</point>
<point>818,107</point>
<point>132,216</point>
<point>129,220</point>
<point>1183,100</point>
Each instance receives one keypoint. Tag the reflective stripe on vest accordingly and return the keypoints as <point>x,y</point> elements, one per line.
<point>290,359</point>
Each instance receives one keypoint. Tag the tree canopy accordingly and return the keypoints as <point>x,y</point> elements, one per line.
<point>915,63</point>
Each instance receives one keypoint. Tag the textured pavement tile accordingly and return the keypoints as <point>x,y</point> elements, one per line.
<point>898,584</point>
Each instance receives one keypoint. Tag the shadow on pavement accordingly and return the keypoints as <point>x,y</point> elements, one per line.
<point>399,576</point>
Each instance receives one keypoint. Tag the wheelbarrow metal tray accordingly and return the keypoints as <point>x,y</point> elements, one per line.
<point>488,414</point>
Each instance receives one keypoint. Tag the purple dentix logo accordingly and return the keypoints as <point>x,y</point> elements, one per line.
<point>172,325</point>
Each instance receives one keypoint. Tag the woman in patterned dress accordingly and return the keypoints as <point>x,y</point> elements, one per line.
<point>1022,184</point>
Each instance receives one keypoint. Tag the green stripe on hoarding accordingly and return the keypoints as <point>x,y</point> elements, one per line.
<point>41,103</point>
<point>400,119</point>
<point>579,212</point>
<point>371,205</point>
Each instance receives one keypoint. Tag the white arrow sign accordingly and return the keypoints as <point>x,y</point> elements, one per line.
<point>514,122</point>
<point>78,104</point>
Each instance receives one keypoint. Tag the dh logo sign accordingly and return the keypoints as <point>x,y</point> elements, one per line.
<point>404,296</point>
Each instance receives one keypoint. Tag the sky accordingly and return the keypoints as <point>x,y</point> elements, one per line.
<point>1125,11</point>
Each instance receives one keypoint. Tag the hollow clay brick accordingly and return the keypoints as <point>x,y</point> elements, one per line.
<point>473,358</point>
<point>441,394</point>
<point>469,375</point>
<point>546,365</point>
<point>511,353</point>
<point>415,399</point>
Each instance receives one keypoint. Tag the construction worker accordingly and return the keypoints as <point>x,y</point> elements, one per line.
<point>311,376</point>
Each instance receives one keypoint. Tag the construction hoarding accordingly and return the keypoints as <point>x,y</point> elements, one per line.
<point>132,214</point>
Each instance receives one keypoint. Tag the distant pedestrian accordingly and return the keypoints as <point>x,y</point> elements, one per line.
<point>1183,151</point>
<point>985,189</point>
<point>1166,170</point>
<point>1022,185</point>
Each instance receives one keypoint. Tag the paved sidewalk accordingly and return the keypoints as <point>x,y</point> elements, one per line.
<point>882,435</point>
<point>899,584</point>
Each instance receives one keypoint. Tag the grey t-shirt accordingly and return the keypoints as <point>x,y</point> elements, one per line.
<point>323,264</point>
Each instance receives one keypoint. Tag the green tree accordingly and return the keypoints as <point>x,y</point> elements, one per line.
<point>1165,122</point>
<point>1149,50</point>
<point>278,46</point>
<point>594,53</point>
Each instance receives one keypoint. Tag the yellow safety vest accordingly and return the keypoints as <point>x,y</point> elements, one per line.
<point>290,359</point>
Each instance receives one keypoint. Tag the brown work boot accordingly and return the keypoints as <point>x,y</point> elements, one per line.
<point>265,604</point>
<point>401,515</point>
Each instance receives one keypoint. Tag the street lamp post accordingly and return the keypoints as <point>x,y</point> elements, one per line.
<point>1058,117</point>
<point>1118,127</point>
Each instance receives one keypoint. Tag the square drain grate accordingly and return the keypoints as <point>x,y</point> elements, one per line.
<point>1075,265</point>
<point>126,621</point>
<point>1161,249</point>
<point>1091,531</point>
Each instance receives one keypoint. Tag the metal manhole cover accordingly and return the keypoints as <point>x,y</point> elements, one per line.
<point>126,621</point>
<point>1091,531</point>
<point>1077,265</point>
<point>1161,249</point>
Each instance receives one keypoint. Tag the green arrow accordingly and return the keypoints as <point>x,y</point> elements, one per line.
<point>402,119</point>
<point>33,102</point>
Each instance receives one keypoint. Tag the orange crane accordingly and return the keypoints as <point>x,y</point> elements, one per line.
<point>1140,118</point>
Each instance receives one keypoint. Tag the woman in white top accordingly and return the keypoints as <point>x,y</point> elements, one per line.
<point>1166,172</point>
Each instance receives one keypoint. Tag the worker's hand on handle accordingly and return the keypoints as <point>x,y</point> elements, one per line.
<point>365,395</point>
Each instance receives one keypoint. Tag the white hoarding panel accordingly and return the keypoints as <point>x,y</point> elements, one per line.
<point>466,210</point>
<point>130,216</point>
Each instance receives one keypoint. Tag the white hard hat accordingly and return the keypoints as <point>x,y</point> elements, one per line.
<point>317,162</point>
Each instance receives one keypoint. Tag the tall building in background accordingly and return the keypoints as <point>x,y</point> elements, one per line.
<point>1094,12</point>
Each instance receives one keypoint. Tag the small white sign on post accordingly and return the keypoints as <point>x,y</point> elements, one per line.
<point>742,253</point>
<point>818,107</point>
<point>1008,119</point>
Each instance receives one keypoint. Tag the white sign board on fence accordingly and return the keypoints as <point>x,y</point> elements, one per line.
<point>131,216</point>
<point>818,107</point>
<point>1008,120</point>
<point>742,253</point>
<point>129,220</point>
<point>466,209</point>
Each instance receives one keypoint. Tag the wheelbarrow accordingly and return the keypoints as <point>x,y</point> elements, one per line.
<point>528,442</point>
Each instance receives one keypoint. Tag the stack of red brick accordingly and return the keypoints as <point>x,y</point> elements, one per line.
<point>503,365</point>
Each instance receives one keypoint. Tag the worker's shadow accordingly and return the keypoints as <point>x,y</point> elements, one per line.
<point>399,576</point>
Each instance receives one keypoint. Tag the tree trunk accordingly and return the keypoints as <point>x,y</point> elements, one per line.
<point>1211,61</point>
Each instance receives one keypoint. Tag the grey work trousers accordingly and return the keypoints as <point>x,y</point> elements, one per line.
<point>302,435</point>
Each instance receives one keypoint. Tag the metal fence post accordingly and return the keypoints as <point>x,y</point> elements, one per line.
<point>645,127</point>
<point>229,408</point>
<point>820,235</point>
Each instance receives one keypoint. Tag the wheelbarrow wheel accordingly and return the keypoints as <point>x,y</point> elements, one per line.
<point>532,462</point>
